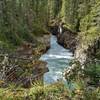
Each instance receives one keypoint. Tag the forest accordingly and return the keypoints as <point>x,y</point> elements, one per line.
<point>49,49</point>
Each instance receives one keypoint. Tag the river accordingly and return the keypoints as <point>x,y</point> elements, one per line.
<point>58,59</point>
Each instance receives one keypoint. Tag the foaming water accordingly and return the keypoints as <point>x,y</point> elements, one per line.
<point>58,59</point>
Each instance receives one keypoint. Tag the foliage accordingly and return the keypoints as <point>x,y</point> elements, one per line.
<point>55,91</point>
<point>92,71</point>
<point>90,26</point>
<point>21,20</point>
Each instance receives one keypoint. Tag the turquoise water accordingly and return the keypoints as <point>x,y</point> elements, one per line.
<point>58,59</point>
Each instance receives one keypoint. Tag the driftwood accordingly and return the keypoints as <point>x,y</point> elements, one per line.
<point>14,73</point>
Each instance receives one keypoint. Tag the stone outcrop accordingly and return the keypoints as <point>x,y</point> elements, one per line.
<point>90,51</point>
<point>86,57</point>
<point>54,29</point>
<point>68,39</point>
<point>45,40</point>
<point>23,66</point>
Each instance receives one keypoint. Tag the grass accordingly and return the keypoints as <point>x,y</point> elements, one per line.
<point>37,92</point>
<point>56,91</point>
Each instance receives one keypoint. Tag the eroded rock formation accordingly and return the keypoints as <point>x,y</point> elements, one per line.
<point>68,39</point>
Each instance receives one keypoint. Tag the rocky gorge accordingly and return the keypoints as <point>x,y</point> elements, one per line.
<point>50,41</point>
<point>84,53</point>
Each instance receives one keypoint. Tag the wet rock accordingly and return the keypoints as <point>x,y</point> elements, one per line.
<point>53,27</point>
<point>54,30</point>
<point>68,39</point>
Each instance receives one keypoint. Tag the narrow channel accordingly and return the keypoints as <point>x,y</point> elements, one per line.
<point>58,59</point>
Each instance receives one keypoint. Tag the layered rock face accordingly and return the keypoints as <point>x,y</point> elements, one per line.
<point>68,39</point>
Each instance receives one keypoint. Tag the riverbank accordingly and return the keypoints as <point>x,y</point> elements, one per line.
<point>57,59</point>
<point>85,45</point>
<point>22,66</point>
<point>85,51</point>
